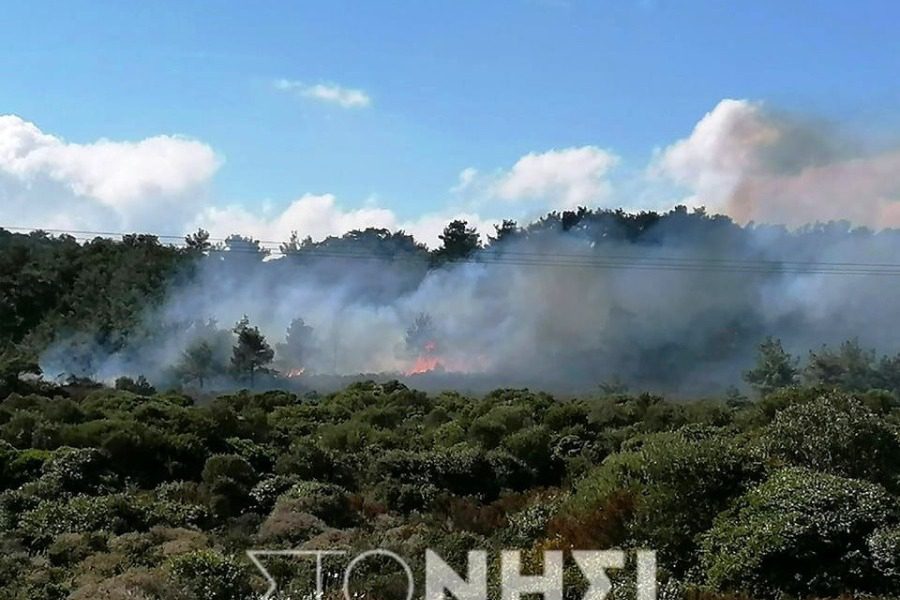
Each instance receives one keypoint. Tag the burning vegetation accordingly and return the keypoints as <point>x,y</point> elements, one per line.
<point>427,361</point>
<point>565,303</point>
<point>421,343</point>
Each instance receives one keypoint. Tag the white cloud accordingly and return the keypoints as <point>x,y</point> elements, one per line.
<point>326,92</point>
<point>466,179</point>
<point>566,178</point>
<point>114,184</point>
<point>314,215</point>
<point>755,165</point>
<point>555,179</point>
<point>157,185</point>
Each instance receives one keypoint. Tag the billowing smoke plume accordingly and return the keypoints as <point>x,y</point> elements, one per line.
<point>754,164</point>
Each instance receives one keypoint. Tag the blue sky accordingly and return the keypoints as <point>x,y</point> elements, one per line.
<point>451,85</point>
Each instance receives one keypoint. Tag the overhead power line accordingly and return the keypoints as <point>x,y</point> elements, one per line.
<point>594,259</point>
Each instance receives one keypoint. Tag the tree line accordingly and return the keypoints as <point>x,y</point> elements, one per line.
<point>93,296</point>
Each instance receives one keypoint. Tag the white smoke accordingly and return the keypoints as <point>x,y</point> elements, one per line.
<point>666,314</point>
<point>756,165</point>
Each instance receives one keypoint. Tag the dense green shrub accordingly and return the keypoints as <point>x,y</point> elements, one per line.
<point>228,479</point>
<point>328,501</point>
<point>801,532</point>
<point>837,433</point>
<point>678,481</point>
<point>210,575</point>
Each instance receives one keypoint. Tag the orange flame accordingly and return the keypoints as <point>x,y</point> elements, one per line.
<point>424,364</point>
<point>426,361</point>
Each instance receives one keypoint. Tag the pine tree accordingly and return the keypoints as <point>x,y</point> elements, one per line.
<point>774,368</point>
<point>251,354</point>
<point>198,363</point>
<point>420,333</point>
<point>298,345</point>
<point>458,242</point>
<point>198,241</point>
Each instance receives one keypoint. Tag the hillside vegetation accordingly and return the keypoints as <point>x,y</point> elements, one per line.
<point>114,494</point>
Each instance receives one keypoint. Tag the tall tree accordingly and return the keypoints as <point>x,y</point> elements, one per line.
<point>251,353</point>
<point>506,230</point>
<point>420,334</point>
<point>851,367</point>
<point>198,241</point>
<point>243,251</point>
<point>298,345</point>
<point>458,242</point>
<point>571,218</point>
<point>774,368</point>
<point>294,244</point>
<point>15,362</point>
<point>198,363</point>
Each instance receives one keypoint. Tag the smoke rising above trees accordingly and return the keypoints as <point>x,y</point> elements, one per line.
<point>677,301</point>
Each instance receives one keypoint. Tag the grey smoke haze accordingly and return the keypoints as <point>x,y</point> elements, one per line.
<point>690,325</point>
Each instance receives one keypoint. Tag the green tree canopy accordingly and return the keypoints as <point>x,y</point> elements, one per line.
<point>775,368</point>
<point>298,345</point>
<point>251,353</point>
<point>802,533</point>
<point>458,242</point>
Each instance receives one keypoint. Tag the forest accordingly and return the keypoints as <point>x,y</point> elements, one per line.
<point>148,441</point>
